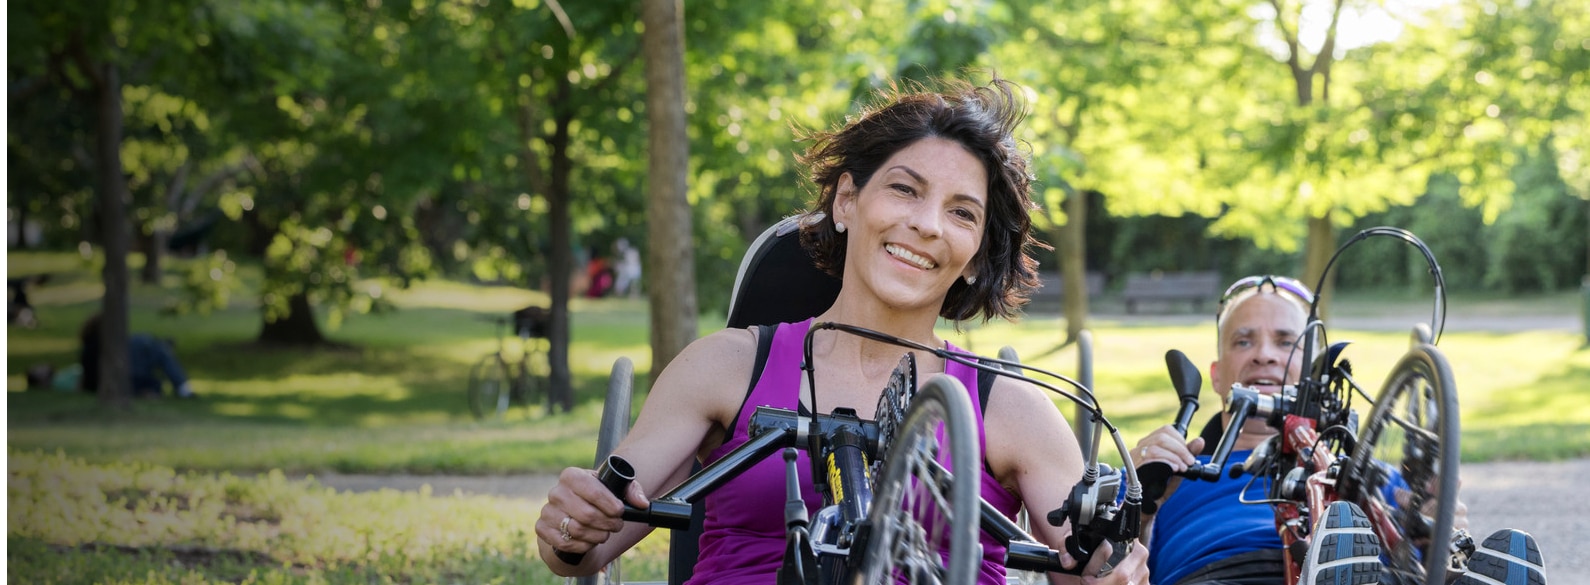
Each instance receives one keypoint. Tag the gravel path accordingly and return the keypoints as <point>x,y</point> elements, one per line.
<point>1544,499</point>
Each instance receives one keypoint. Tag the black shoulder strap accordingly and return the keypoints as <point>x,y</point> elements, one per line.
<point>764,347</point>
<point>985,385</point>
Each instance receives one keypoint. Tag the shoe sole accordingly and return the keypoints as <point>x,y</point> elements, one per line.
<point>1344,549</point>
<point>1508,557</point>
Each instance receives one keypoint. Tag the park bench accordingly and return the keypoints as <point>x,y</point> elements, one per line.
<point>1195,287</point>
<point>1051,291</point>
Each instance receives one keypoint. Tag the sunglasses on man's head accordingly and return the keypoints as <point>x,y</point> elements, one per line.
<point>1250,284</point>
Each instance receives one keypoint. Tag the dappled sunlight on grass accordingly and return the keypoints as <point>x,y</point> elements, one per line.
<point>137,522</point>
<point>442,294</point>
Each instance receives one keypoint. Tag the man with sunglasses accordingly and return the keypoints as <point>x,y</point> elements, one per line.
<point>1203,534</point>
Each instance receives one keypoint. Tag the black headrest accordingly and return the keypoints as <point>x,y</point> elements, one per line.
<point>777,282</point>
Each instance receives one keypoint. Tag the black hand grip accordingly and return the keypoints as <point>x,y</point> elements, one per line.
<point>615,474</point>
<point>1155,478</point>
<point>1184,376</point>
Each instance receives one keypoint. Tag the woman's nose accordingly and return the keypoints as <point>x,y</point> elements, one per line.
<point>925,222</point>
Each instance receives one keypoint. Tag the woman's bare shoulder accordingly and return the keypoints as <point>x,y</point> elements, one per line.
<point>718,364</point>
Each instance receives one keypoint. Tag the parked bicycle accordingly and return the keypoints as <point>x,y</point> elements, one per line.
<point>495,383</point>
<point>1399,469</point>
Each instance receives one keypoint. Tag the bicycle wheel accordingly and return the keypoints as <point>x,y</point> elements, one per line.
<point>924,524</point>
<point>526,388</point>
<point>1412,430</point>
<point>488,387</point>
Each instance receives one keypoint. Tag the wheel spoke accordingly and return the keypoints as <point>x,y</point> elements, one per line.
<point>919,528</point>
<point>1412,429</point>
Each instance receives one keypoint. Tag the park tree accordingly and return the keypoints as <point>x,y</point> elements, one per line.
<point>563,79</point>
<point>1333,132</point>
<point>672,280</point>
<point>89,53</point>
<point>1530,67</point>
<point>344,130</point>
<point>1107,83</point>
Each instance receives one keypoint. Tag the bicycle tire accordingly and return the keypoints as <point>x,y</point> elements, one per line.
<point>1414,425</point>
<point>526,387</point>
<point>903,544</point>
<point>488,387</point>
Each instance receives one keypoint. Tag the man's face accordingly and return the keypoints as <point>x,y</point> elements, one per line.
<point>1260,347</point>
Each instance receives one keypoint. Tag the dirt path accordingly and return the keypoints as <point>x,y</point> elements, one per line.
<point>1544,499</point>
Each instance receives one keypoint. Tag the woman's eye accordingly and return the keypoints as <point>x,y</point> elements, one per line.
<point>903,188</point>
<point>965,214</point>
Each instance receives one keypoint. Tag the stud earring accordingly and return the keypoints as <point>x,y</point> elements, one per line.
<point>839,226</point>
<point>971,279</point>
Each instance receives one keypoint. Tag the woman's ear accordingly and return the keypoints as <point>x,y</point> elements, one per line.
<point>844,199</point>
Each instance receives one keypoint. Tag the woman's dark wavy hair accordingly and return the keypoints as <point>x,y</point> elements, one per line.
<point>980,118</point>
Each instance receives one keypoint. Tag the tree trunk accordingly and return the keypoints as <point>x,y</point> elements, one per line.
<point>153,245</point>
<point>562,380</point>
<point>1321,244</point>
<point>115,377</point>
<point>297,328</point>
<point>671,255</point>
<point>1073,263</point>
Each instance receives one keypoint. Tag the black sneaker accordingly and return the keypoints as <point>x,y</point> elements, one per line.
<point>1343,550</point>
<point>1508,557</point>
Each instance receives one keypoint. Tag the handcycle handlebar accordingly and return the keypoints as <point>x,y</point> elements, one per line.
<point>1155,475</point>
<point>773,429</point>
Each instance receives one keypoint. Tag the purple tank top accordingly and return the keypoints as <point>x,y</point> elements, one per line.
<point>742,539</point>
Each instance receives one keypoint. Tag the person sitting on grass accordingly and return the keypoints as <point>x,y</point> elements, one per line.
<point>1203,534</point>
<point>149,359</point>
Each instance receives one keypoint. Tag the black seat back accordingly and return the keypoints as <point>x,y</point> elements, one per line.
<point>777,282</point>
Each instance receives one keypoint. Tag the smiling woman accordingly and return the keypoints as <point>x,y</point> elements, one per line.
<point>921,210</point>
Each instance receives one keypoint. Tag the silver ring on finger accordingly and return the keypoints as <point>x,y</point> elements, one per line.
<point>563,528</point>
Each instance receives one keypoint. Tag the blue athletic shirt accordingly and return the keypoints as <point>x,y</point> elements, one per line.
<point>1203,522</point>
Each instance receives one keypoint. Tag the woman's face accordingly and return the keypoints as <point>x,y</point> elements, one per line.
<point>916,225</point>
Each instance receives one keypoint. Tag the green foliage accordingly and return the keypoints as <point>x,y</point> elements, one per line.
<point>1535,243</point>
<point>423,136</point>
<point>1540,242</point>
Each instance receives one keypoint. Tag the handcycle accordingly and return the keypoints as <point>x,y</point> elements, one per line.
<point>1399,468</point>
<point>496,383</point>
<point>891,506</point>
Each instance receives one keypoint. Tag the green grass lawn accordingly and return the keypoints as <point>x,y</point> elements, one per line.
<point>393,400</point>
<point>167,491</point>
<point>76,522</point>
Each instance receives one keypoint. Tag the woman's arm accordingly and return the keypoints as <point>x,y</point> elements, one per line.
<point>1033,452</point>
<point>694,397</point>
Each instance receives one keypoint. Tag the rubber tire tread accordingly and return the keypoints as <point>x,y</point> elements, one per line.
<point>1426,361</point>
<point>941,399</point>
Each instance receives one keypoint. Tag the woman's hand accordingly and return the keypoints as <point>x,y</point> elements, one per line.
<point>579,515</point>
<point>1131,569</point>
<point>1166,445</point>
